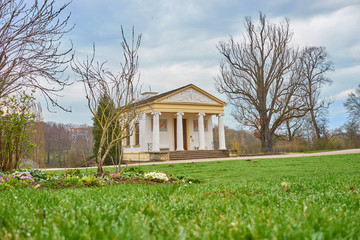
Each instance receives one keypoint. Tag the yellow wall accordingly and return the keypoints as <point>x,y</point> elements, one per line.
<point>141,156</point>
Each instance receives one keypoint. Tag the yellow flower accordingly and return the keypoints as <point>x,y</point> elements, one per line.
<point>285,184</point>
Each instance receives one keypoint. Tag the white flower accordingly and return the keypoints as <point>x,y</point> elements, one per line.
<point>157,176</point>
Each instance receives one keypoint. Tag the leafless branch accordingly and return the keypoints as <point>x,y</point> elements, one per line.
<point>31,52</point>
<point>121,90</point>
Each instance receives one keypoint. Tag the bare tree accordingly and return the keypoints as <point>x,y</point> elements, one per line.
<point>81,145</point>
<point>50,140</point>
<point>30,47</point>
<point>121,89</point>
<point>352,133</point>
<point>62,143</point>
<point>315,64</point>
<point>293,128</point>
<point>352,105</point>
<point>259,76</point>
<point>57,143</point>
<point>37,138</point>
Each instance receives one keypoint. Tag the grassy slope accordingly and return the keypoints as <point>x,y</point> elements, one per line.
<point>240,199</point>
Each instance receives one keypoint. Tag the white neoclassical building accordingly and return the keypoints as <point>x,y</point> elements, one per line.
<point>176,124</point>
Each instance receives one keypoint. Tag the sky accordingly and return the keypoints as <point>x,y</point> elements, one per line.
<point>179,39</point>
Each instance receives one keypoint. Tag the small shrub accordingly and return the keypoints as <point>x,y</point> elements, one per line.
<point>17,183</point>
<point>73,181</point>
<point>129,175</point>
<point>72,172</point>
<point>91,181</point>
<point>37,175</point>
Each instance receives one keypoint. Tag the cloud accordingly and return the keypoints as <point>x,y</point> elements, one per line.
<point>336,30</point>
<point>343,79</point>
<point>179,39</point>
<point>343,95</point>
<point>167,77</point>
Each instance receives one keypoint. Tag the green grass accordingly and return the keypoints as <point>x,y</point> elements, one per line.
<point>238,200</point>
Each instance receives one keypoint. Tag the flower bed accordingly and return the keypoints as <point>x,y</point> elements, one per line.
<point>75,178</point>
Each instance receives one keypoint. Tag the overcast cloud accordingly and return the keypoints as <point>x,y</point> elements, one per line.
<point>179,42</point>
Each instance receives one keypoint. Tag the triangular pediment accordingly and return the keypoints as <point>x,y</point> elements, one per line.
<point>190,95</point>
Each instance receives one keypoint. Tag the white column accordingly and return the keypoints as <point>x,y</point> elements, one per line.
<point>179,132</point>
<point>156,132</point>
<point>221,132</point>
<point>201,131</point>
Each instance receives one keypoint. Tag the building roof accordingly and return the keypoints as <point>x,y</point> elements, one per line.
<point>161,95</point>
<point>174,91</point>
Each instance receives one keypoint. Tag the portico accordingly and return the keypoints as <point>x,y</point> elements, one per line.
<point>182,128</point>
<point>178,120</point>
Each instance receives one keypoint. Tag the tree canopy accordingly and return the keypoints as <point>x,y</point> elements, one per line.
<point>260,77</point>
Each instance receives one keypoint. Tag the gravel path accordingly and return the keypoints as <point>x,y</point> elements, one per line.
<point>285,155</point>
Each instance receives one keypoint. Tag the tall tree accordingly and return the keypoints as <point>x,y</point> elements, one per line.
<point>57,143</point>
<point>352,133</point>
<point>352,105</point>
<point>37,137</point>
<point>15,119</point>
<point>38,140</point>
<point>259,78</point>
<point>49,136</point>
<point>81,146</point>
<point>121,89</point>
<point>315,64</point>
<point>63,143</point>
<point>112,157</point>
<point>30,47</point>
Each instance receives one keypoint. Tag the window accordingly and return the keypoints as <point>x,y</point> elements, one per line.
<point>137,134</point>
<point>196,126</point>
<point>162,125</point>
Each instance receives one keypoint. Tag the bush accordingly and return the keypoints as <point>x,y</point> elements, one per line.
<point>73,181</point>
<point>91,181</point>
<point>37,174</point>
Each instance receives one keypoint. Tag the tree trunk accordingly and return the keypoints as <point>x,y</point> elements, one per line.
<point>266,136</point>
<point>9,165</point>
<point>316,127</point>
<point>48,157</point>
<point>121,156</point>
<point>290,134</point>
<point>100,172</point>
<point>99,162</point>
<point>266,142</point>
<point>59,158</point>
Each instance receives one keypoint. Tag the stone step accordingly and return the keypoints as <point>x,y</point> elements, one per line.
<point>197,154</point>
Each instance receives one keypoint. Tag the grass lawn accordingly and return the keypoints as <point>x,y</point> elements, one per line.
<point>239,199</point>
